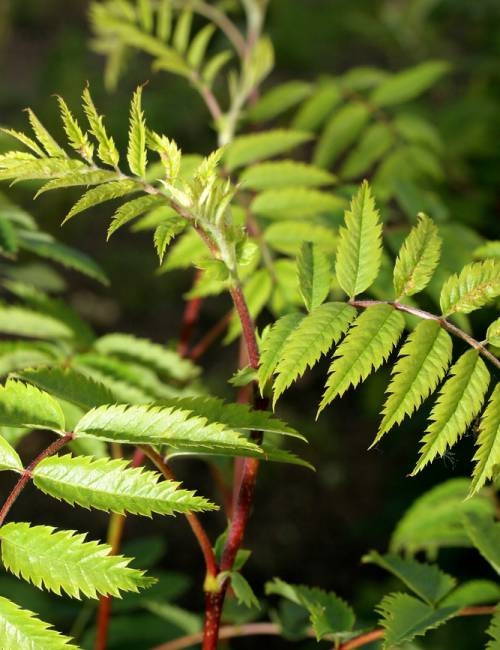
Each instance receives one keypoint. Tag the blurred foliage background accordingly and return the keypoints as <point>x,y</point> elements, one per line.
<point>310,528</point>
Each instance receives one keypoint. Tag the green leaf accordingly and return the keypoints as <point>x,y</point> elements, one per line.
<point>314,275</point>
<point>286,173</point>
<point>44,245</point>
<point>145,10</point>
<point>9,458</point>
<point>76,137</point>
<point>476,285</point>
<point>70,385</point>
<point>19,628</point>
<point>102,193</point>
<point>315,110</point>
<point>473,592</point>
<point>133,209</point>
<point>484,533</point>
<point>9,243</point>
<point>493,631</point>
<point>287,236</point>
<point>233,415</point>
<point>164,20</point>
<point>417,258</point>
<point>296,203</point>
<point>24,139</point>
<point>404,617</point>
<point>107,150</point>
<point>272,345</point>
<point>63,561</point>
<point>153,355</point>
<point>215,65</point>
<point>373,144</point>
<point>164,233</point>
<point>17,355</point>
<point>459,401</point>
<point>408,84</point>
<point>421,365</point>
<point>313,337</point>
<point>136,154</point>
<point>198,48</point>
<point>487,456</point>
<point>86,176</point>
<point>182,30</point>
<point>26,322</point>
<point>243,591</point>
<point>113,486</point>
<point>366,347</point>
<point>278,100</point>
<point>427,581</point>
<point>44,137</point>
<point>360,246</point>
<point>435,520</point>
<point>340,132</point>
<point>153,425</point>
<point>493,333</point>
<point>329,614</point>
<point>22,405</point>
<point>246,149</point>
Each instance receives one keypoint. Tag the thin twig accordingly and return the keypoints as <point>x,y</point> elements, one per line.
<point>189,320</point>
<point>194,522</point>
<point>26,475</point>
<point>443,322</point>
<point>210,337</point>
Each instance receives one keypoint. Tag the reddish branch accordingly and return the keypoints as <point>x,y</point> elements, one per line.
<point>189,320</point>
<point>26,475</point>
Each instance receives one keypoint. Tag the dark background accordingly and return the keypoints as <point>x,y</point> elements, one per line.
<point>310,528</point>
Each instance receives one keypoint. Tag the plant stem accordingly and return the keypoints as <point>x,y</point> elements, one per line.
<point>443,322</point>
<point>26,475</point>
<point>210,337</point>
<point>246,324</point>
<point>273,629</point>
<point>189,320</point>
<point>114,538</point>
<point>194,522</point>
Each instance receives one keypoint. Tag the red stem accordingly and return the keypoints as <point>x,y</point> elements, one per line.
<point>189,320</point>
<point>247,325</point>
<point>115,534</point>
<point>26,475</point>
<point>212,335</point>
<point>194,522</point>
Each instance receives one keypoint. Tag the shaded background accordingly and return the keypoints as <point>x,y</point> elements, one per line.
<point>310,528</point>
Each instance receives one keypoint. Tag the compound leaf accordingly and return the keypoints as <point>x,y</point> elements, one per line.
<point>313,337</point>
<point>487,456</point>
<point>417,258</point>
<point>427,581</point>
<point>476,284</point>
<point>20,628</point>
<point>62,561</point>
<point>359,251</point>
<point>136,153</point>
<point>459,401</point>
<point>273,343</point>
<point>22,405</point>
<point>113,486</point>
<point>366,347</point>
<point>422,363</point>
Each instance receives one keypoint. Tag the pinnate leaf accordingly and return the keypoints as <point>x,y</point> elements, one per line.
<point>427,581</point>
<point>62,561</point>
<point>359,251</point>
<point>314,275</point>
<point>459,401</point>
<point>422,363</point>
<point>366,347</point>
<point>487,456</point>
<point>44,137</point>
<point>313,337</point>
<point>484,533</point>
<point>405,617</point>
<point>161,426</point>
<point>102,193</point>
<point>136,155</point>
<point>296,203</point>
<point>286,173</point>
<point>246,149</point>
<point>273,343</point>
<point>417,259</point>
<point>476,285</point>
<point>133,209</point>
<point>9,458</point>
<point>107,150</point>
<point>76,137</point>
<point>435,520</point>
<point>20,628</point>
<point>408,84</point>
<point>340,132</point>
<point>22,405</point>
<point>113,486</point>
